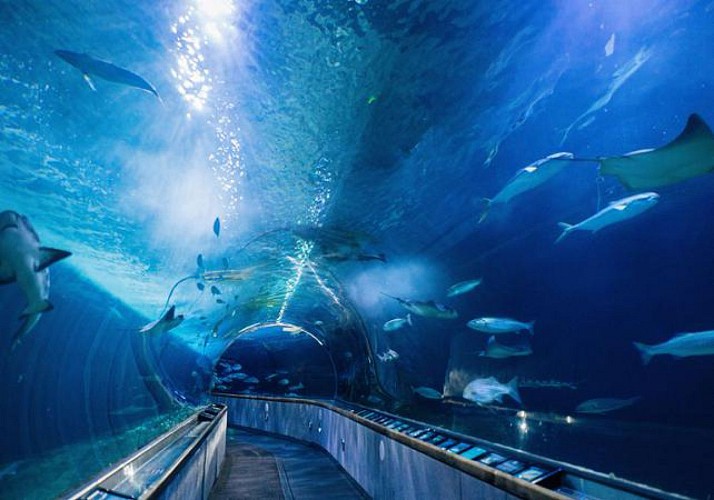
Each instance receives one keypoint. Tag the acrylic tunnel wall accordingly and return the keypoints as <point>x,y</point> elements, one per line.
<point>495,216</point>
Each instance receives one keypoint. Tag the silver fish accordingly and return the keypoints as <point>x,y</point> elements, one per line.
<point>497,350</point>
<point>427,309</point>
<point>428,393</point>
<point>497,326</point>
<point>617,211</point>
<point>604,405</point>
<point>487,390</point>
<point>397,323</point>
<point>528,178</point>
<point>680,346</point>
<point>463,287</point>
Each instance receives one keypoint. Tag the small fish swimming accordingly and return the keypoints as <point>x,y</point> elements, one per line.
<point>680,346</point>
<point>200,286</point>
<point>217,227</point>
<point>485,391</point>
<point>528,178</point>
<point>283,381</point>
<point>427,309</point>
<point>90,66</point>
<point>24,261</point>
<point>199,261</point>
<point>397,323</point>
<point>497,350</point>
<point>297,387</point>
<point>165,323</point>
<point>427,392</point>
<point>388,355</point>
<point>463,287</point>
<point>546,384</point>
<point>271,376</point>
<point>251,380</point>
<point>215,290</point>
<point>496,326</point>
<point>604,405</point>
<point>225,263</point>
<point>617,211</point>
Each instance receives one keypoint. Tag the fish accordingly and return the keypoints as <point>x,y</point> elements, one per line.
<point>24,261</point>
<point>427,392</point>
<point>388,355</point>
<point>498,326</point>
<point>200,286</point>
<point>217,227</point>
<point>485,391</point>
<point>463,287</point>
<point>215,290</point>
<point>397,323</point>
<point>546,384</point>
<point>296,387</point>
<point>271,376</point>
<point>689,155</point>
<point>427,309</point>
<point>527,179</point>
<point>681,345</point>
<point>90,66</point>
<point>283,381</point>
<point>251,380</point>
<point>617,211</point>
<point>165,323</point>
<point>199,261</point>
<point>497,350</point>
<point>225,262</point>
<point>604,405</point>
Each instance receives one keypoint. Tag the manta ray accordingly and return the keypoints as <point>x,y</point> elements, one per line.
<point>89,66</point>
<point>690,154</point>
<point>24,261</point>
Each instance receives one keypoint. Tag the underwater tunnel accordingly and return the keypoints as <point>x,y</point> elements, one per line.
<point>356,249</point>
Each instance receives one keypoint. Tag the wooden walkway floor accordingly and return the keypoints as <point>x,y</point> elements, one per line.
<point>261,466</point>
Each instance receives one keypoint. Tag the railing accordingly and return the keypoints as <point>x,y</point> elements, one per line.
<point>156,470</point>
<point>519,473</point>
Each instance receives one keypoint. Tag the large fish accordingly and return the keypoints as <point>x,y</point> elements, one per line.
<point>496,350</point>
<point>689,155</point>
<point>428,309</point>
<point>24,261</point>
<point>604,405</point>
<point>496,326</point>
<point>89,66</point>
<point>463,287</point>
<point>167,322</point>
<point>528,178</point>
<point>397,323</point>
<point>617,211</point>
<point>485,391</point>
<point>680,346</point>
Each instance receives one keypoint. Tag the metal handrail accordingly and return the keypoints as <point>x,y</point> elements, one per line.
<point>159,444</point>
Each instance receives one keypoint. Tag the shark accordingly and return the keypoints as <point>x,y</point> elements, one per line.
<point>90,66</point>
<point>25,262</point>
<point>688,155</point>
<point>167,322</point>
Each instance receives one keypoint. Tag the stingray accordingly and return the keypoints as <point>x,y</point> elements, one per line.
<point>690,154</point>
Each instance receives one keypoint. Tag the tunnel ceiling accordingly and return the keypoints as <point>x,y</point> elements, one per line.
<point>332,141</point>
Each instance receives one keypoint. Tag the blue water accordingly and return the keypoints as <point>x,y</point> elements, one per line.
<point>322,135</point>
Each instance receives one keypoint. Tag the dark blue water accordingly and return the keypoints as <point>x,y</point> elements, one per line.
<point>346,149</point>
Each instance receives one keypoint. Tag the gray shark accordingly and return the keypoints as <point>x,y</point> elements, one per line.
<point>89,66</point>
<point>24,261</point>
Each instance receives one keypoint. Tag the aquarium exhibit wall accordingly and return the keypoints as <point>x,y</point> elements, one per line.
<point>492,217</point>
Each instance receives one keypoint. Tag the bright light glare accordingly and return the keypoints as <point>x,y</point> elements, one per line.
<point>215,9</point>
